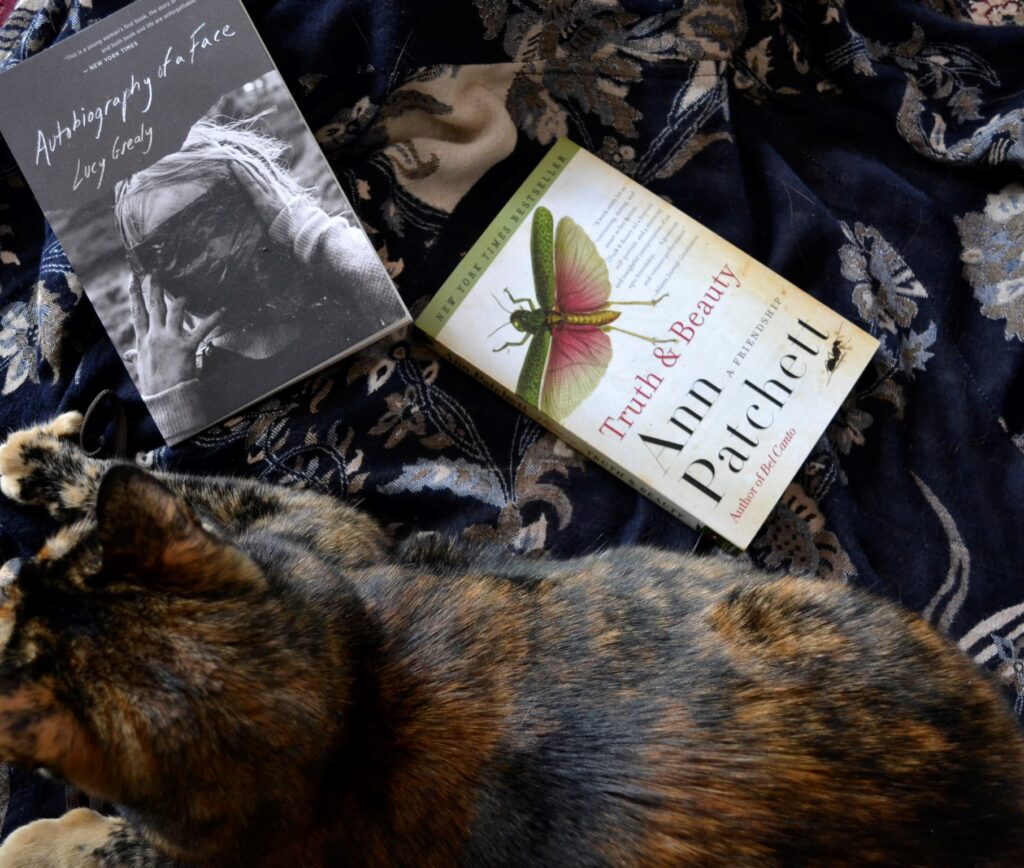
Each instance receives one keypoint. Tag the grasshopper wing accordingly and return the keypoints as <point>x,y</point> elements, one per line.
<point>577,361</point>
<point>581,275</point>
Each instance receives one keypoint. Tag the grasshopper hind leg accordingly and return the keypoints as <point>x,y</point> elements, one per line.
<point>649,340</point>
<point>653,303</point>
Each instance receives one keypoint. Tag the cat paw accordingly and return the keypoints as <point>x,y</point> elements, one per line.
<point>42,465</point>
<point>70,842</point>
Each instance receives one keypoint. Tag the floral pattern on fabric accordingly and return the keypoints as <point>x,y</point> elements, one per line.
<point>992,259</point>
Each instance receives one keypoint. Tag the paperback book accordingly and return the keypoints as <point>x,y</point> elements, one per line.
<point>195,206</point>
<point>647,342</point>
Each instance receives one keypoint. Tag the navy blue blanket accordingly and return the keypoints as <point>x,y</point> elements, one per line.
<point>871,151</point>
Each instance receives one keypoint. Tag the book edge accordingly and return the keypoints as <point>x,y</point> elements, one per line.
<point>174,440</point>
<point>323,156</point>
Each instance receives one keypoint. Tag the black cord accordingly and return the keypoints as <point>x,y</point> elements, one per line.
<point>119,421</point>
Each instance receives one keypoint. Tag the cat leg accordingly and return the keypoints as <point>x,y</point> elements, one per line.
<point>79,839</point>
<point>43,465</point>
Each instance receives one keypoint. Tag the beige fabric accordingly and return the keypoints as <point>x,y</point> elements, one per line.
<point>464,144</point>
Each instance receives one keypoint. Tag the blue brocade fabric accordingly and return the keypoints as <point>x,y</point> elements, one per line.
<point>871,151</point>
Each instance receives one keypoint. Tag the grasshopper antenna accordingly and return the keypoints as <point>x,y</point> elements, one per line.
<point>498,300</point>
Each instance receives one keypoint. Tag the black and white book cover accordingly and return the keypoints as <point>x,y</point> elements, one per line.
<point>207,229</point>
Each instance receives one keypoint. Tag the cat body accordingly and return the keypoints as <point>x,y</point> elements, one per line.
<point>257,677</point>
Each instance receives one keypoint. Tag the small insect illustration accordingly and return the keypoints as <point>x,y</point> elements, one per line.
<point>836,354</point>
<point>569,324</point>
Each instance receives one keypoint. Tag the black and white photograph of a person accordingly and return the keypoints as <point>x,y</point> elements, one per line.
<point>242,266</point>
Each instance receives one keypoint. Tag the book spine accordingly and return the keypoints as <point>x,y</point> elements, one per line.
<point>576,442</point>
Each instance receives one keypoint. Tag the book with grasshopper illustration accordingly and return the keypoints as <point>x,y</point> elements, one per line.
<point>652,345</point>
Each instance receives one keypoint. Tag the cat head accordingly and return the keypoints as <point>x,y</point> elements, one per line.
<point>140,639</point>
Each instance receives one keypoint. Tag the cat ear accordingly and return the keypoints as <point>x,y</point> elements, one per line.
<point>149,534</point>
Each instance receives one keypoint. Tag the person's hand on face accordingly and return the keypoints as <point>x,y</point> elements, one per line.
<point>166,347</point>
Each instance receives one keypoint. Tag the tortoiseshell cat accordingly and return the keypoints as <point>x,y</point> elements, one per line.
<point>258,679</point>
